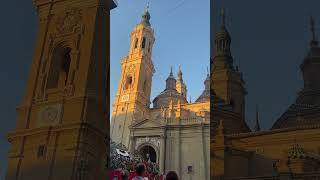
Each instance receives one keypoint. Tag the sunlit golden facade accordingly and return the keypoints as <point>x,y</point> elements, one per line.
<point>61,122</point>
<point>174,131</point>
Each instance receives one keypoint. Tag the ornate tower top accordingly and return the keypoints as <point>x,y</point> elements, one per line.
<point>146,16</point>
<point>171,81</point>
<point>222,45</point>
<point>310,66</point>
<point>227,82</point>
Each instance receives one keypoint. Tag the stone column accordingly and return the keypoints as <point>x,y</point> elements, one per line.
<point>179,149</point>
<point>204,150</point>
<point>162,158</point>
<point>132,144</point>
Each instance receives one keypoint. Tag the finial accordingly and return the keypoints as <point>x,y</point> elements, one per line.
<point>312,28</point>
<point>171,74</point>
<point>314,41</point>
<point>180,74</point>
<point>257,126</point>
<point>223,17</point>
<point>148,4</point>
<point>146,16</point>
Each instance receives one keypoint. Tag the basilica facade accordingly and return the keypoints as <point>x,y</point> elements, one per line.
<point>290,149</point>
<point>174,132</point>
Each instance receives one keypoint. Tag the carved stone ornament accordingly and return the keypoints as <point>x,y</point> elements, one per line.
<point>68,90</point>
<point>148,140</point>
<point>70,22</point>
<point>132,68</point>
<point>50,115</point>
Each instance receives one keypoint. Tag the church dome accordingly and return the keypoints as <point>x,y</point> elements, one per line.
<point>205,96</point>
<point>170,94</point>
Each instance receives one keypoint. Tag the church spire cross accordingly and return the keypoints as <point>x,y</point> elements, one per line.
<point>257,126</point>
<point>314,41</point>
<point>223,17</point>
<point>146,16</point>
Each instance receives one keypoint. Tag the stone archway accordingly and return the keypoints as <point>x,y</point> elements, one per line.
<point>148,152</point>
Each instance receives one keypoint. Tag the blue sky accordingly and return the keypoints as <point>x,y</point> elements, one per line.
<point>182,33</point>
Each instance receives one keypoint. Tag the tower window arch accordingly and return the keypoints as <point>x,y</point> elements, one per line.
<point>59,68</point>
<point>143,42</point>
<point>136,43</point>
<point>145,86</point>
<point>128,83</point>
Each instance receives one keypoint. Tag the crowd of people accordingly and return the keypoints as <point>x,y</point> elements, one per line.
<point>141,170</point>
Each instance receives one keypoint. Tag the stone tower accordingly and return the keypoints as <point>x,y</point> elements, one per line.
<point>180,85</point>
<point>132,100</point>
<point>61,122</point>
<point>227,81</point>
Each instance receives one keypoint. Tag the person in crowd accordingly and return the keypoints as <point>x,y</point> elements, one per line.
<point>140,170</point>
<point>171,175</point>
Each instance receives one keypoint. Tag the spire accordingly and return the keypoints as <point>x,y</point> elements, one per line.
<point>207,81</point>
<point>223,17</point>
<point>146,16</point>
<point>171,81</point>
<point>179,74</point>
<point>222,46</point>
<point>257,126</point>
<point>171,74</point>
<point>314,41</point>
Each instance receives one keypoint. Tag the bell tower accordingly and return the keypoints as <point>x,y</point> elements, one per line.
<point>227,81</point>
<point>132,100</point>
<point>61,122</point>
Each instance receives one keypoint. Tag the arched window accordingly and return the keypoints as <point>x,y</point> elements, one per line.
<point>136,43</point>
<point>143,42</point>
<point>145,86</point>
<point>59,68</point>
<point>66,65</point>
<point>128,83</point>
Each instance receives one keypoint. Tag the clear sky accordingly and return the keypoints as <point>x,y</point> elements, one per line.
<point>182,33</point>
<point>270,38</point>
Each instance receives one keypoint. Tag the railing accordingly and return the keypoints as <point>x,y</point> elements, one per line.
<point>196,120</point>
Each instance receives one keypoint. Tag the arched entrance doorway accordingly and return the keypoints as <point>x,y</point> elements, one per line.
<point>148,152</point>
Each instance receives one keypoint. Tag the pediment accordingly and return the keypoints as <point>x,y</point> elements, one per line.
<point>146,123</point>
